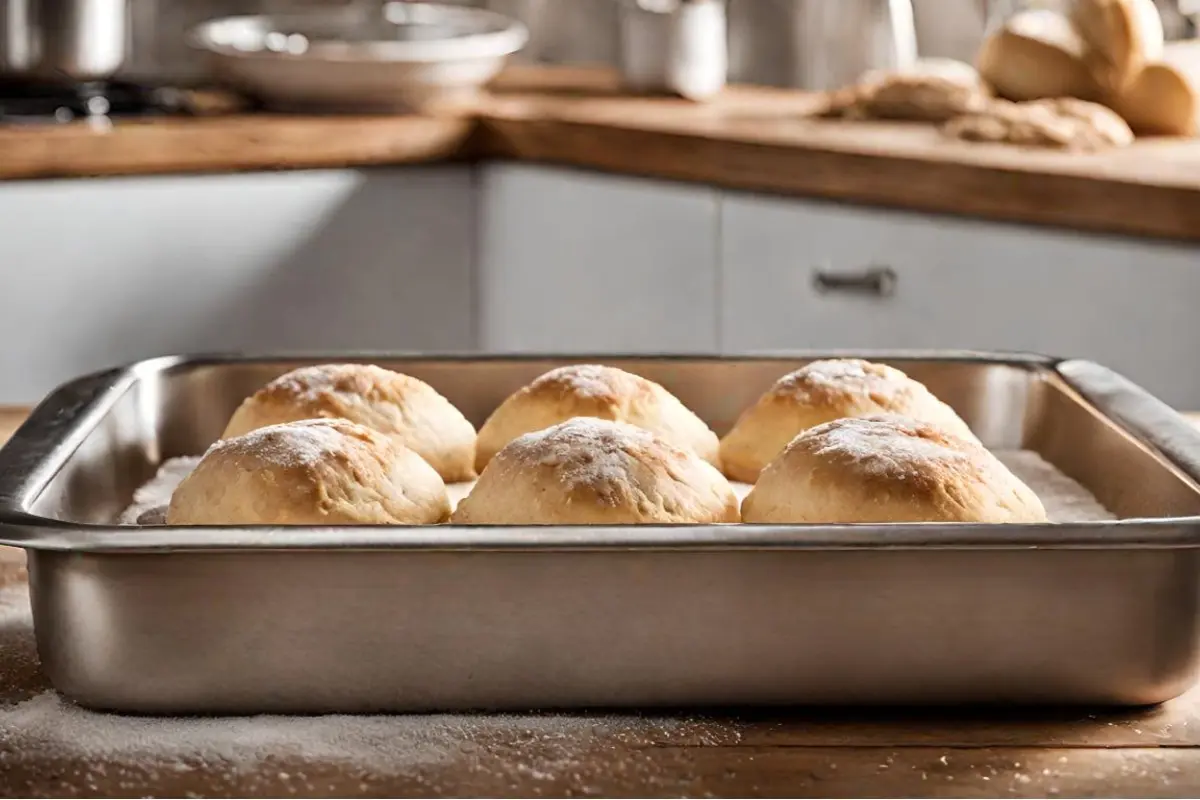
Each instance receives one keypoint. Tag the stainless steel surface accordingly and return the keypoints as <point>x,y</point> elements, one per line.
<point>368,619</point>
<point>398,56</point>
<point>63,40</point>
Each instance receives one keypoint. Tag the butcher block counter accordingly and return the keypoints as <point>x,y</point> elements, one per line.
<point>751,138</point>
<point>51,748</point>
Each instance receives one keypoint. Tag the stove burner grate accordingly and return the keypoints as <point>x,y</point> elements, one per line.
<point>36,102</point>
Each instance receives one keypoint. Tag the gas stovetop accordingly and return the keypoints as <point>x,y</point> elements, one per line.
<point>35,102</point>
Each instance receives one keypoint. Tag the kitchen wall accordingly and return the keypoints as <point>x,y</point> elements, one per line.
<point>761,30</point>
<point>579,31</point>
<point>563,31</point>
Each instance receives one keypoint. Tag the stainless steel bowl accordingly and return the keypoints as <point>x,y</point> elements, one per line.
<point>399,56</point>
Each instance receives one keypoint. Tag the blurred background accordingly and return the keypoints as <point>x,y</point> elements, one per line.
<point>764,45</point>
<point>152,205</point>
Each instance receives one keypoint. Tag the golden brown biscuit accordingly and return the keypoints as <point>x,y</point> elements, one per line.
<point>312,472</point>
<point>404,408</point>
<point>590,390</point>
<point>820,392</point>
<point>589,471</point>
<point>888,469</point>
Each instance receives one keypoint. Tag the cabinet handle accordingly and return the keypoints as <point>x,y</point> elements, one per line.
<point>873,281</point>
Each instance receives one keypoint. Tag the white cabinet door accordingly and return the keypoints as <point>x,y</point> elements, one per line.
<point>99,272</point>
<point>1128,304</point>
<point>573,261</point>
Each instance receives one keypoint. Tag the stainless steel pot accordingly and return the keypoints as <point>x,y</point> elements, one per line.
<point>63,40</point>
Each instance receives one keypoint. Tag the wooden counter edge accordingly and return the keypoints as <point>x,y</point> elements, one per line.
<point>904,182</point>
<point>11,418</point>
<point>760,140</point>
<point>232,144</point>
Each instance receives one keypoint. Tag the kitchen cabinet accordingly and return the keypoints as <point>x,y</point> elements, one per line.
<point>100,272</point>
<point>520,258</point>
<point>576,262</point>
<point>958,283</point>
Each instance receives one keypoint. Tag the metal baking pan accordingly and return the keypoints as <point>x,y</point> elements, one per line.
<point>358,619</point>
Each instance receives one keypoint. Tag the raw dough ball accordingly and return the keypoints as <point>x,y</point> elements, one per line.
<point>589,390</point>
<point>933,91</point>
<point>404,408</point>
<point>820,392</point>
<point>1063,123</point>
<point>314,472</point>
<point>888,469</point>
<point>594,472</point>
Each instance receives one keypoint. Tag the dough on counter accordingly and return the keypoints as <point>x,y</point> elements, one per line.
<point>312,472</point>
<point>591,390</point>
<point>1063,123</point>
<point>404,408</point>
<point>589,471</point>
<point>888,469</point>
<point>820,392</point>
<point>934,91</point>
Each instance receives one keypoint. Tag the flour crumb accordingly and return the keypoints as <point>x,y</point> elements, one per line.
<point>1064,499</point>
<point>150,501</point>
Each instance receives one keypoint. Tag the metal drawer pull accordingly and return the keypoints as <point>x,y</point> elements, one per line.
<point>875,281</point>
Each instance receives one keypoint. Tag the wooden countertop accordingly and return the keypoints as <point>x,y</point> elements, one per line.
<point>786,753</point>
<point>752,138</point>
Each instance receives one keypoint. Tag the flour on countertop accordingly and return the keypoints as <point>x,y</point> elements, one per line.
<point>49,725</point>
<point>48,742</point>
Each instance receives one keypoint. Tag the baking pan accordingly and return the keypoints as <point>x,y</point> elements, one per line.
<point>358,619</point>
